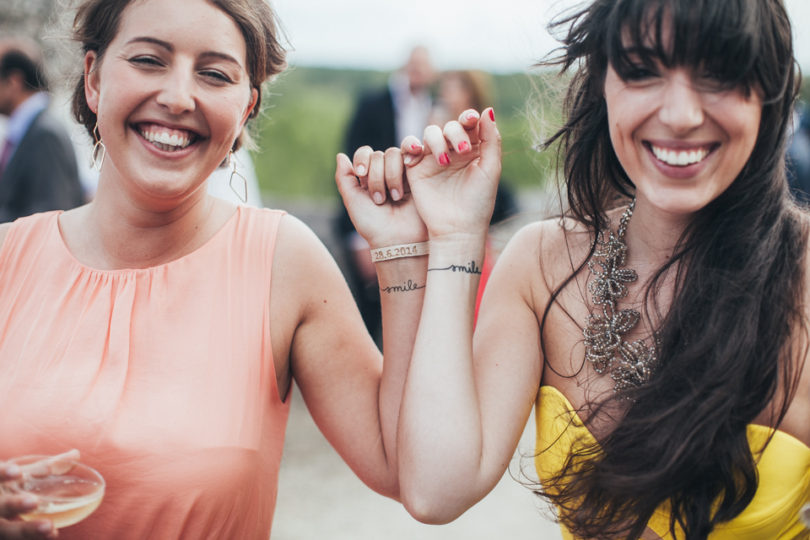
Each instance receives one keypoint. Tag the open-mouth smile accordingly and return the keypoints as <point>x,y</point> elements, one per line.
<point>680,157</point>
<point>166,139</point>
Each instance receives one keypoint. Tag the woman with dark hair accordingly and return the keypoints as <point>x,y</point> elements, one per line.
<point>659,327</point>
<point>158,329</point>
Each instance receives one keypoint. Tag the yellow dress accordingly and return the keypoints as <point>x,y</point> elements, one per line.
<point>783,467</point>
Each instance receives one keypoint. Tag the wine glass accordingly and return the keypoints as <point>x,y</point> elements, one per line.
<point>68,491</point>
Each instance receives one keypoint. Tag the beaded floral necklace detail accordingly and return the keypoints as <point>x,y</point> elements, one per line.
<point>629,364</point>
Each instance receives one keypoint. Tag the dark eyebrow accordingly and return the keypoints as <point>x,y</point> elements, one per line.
<point>169,47</point>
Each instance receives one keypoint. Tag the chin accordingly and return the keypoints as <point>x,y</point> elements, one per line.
<point>679,203</point>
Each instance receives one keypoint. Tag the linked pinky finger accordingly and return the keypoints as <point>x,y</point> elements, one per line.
<point>412,151</point>
<point>469,120</point>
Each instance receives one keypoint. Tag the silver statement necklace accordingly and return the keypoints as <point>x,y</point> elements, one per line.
<point>629,364</point>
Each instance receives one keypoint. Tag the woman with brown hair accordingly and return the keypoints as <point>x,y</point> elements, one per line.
<point>158,329</point>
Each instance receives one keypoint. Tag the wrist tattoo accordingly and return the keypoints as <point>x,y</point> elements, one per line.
<point>403,250</point>
<point>470,268</point>
<point>408,286</point>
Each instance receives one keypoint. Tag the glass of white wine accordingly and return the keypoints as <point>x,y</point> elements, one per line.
<point>68,491</point>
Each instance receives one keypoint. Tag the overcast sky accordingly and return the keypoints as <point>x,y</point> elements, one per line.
<point>496,35</point>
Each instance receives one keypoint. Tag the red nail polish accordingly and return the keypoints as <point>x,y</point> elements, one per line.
<point>444,159</point>
<point>492,114</point>
<point>416,148</point>
<point>463,146</point>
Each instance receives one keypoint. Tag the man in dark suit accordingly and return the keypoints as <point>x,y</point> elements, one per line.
<point>382,118</point>
<point>38,170</point>
<point>387,115</point>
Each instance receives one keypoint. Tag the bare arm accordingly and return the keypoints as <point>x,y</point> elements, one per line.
<point>352,395</point>
<point>466,401</point>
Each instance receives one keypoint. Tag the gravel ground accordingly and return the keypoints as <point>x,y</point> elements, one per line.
<point>319,497</point>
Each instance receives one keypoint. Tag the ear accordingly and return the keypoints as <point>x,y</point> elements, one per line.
<point>254,97</point>
<point>92,87</point>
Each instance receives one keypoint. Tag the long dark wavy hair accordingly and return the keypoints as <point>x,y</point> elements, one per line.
<point>736,322</point>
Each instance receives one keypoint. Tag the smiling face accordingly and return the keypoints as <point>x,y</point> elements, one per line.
<point>681,139</point>
<point>680,126</point>
<point>170,99</point>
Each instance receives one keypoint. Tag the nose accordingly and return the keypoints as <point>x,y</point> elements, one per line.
<point>177,93</point>
<point>682,104</point>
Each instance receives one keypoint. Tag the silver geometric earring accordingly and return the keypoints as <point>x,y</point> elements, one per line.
<point>234,173</point>
<point>99,150</point>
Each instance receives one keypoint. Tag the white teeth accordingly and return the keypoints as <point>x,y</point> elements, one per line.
<point>680,158</point>
<point>166,140</point>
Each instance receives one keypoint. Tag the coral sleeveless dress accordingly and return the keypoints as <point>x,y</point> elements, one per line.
<point>162,377</point>
<point>783,467</point>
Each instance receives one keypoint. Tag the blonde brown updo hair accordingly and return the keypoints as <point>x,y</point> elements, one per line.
<point>477,83</point>
<point>96,24</point>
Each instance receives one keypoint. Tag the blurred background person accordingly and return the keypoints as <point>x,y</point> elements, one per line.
<point>382,118</point>
<point>38,170</point>
<point>458,91</point>
<point>385,116</point>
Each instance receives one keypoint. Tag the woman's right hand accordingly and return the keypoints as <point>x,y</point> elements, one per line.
<point>13,504</point>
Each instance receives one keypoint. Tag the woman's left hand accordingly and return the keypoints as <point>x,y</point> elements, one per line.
<point>377,197</point>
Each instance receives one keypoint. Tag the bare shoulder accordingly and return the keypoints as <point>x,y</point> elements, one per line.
<point>4,228</point>
<point>301,264</point>
<point>296,236</point>
<point>550,249</point>
<point>565,234</point>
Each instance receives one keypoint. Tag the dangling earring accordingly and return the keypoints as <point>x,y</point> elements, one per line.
<point>243,195</point>
<point>99,150</point>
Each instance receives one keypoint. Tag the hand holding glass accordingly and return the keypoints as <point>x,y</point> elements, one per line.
<point>68,491</point>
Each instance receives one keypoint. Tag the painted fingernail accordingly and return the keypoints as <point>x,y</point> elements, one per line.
<point>395,194</point>
<point>361,170</point>
<point>492,114</point>
<point>463,146</point>
<point>444,159</point>
<point>416,147</point>
<point>378,198</point>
